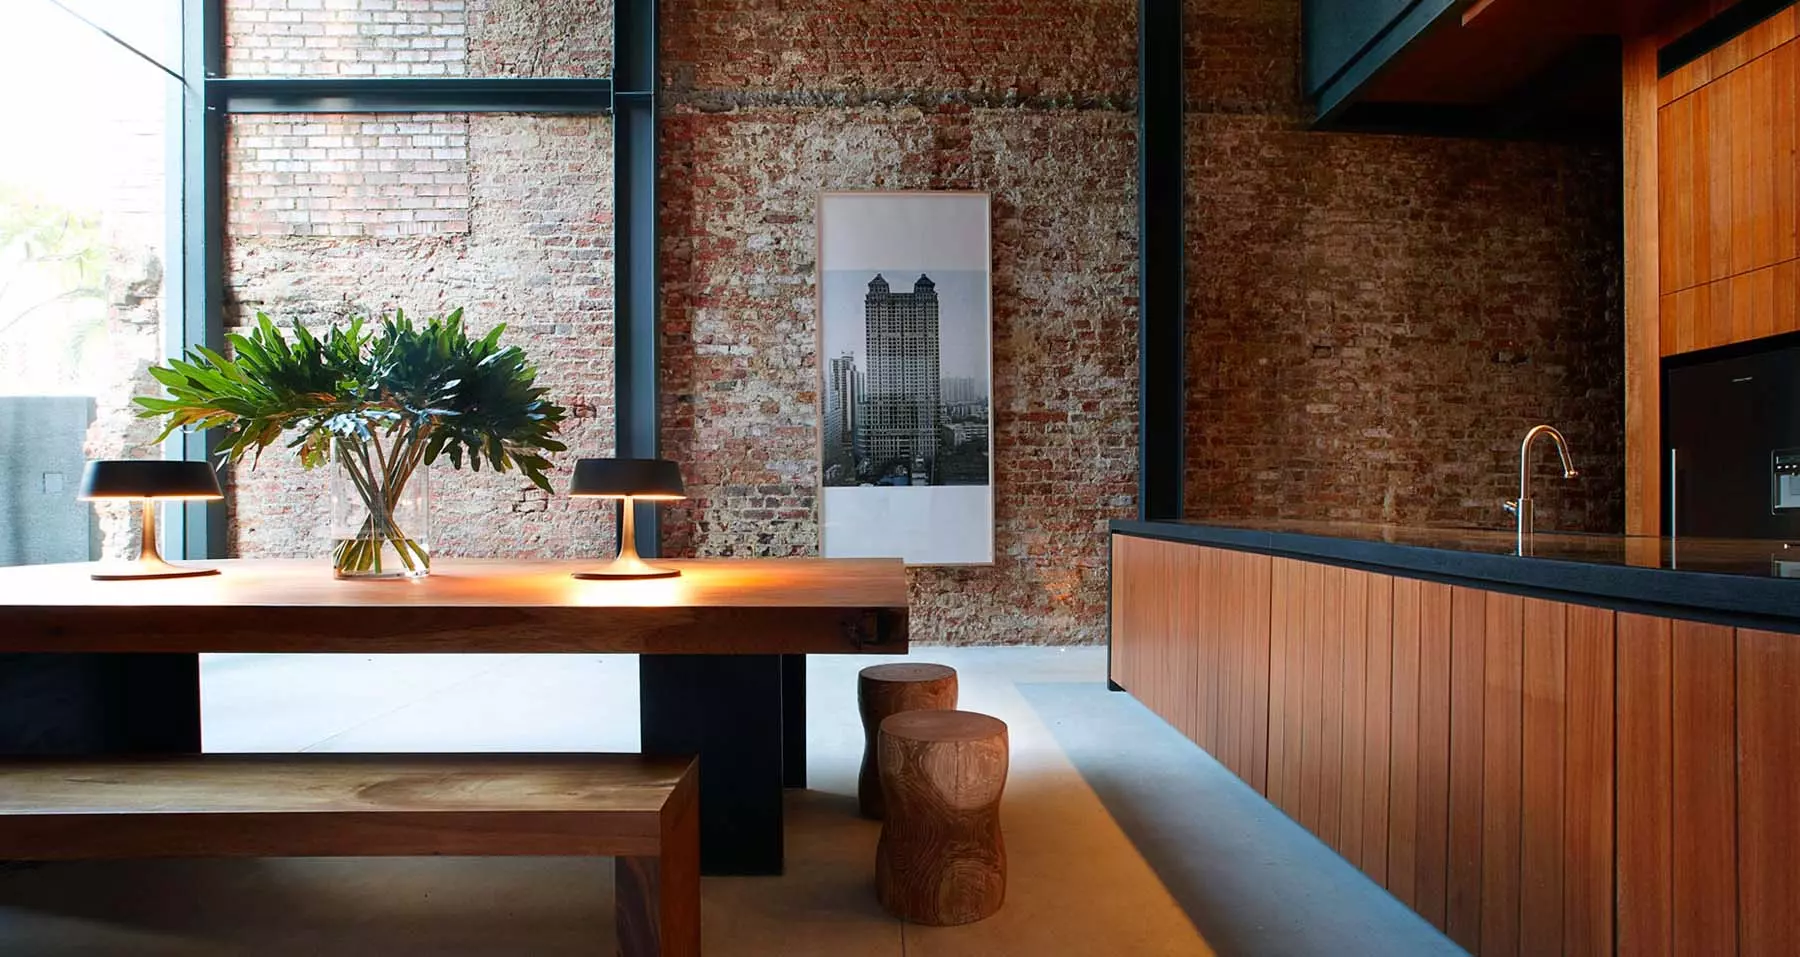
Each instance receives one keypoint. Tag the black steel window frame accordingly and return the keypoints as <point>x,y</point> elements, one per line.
<point>629,95</point>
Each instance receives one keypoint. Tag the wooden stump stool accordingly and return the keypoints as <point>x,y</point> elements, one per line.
<point>941,859</point>
<point>886,690</point>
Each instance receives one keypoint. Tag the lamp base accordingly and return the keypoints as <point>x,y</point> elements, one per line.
<point>145,569</point>
<point>626,568</point>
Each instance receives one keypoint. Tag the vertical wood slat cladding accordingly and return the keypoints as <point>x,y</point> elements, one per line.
<point>1768,839</point>
<point>1433,844</point>
<point>1353,763</point>
<point>1588,801</point>
<point>1191,631</point>
<point>1544,787</point>
<point>1702,716</point>
<point>1377,724</point>
<point>1677,799</point>
<point>1534,777</point>
<point>1403,775</point>
<point>1645,751</point>
<point>1468,666</point>
<point>1502,722</point>
<point>1647,254</point>
<point>1152,613</point>
<point>1282,589</point>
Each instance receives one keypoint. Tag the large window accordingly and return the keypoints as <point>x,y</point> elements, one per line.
<point>462,153</point>
<point>88,127</point>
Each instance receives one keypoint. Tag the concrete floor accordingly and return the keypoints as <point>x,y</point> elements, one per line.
<point>1123,838</point>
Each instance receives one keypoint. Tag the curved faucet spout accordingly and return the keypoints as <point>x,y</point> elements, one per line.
<point>1522,508</point>
<point>1562,451</point>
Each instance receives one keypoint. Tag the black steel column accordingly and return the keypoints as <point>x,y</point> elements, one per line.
<point>727,710</point>
<point>635,300</point>
<point>793,721</point>
<point>1162,295</point>
<point>1162,260</point>
<point>197,529</point>
<point>99,704</point>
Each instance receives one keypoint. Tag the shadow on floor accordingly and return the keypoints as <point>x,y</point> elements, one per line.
<point>1254,883</point>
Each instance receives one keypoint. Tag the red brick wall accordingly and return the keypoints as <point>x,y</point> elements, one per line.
<point>772,104</point>
<point>1375,321</point>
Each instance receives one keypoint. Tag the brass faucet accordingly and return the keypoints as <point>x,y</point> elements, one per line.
<point>1521,506</point>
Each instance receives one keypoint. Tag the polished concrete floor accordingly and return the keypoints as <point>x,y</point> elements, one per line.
<point>1123,839</point>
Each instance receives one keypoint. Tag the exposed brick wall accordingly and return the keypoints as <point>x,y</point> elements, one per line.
<point>321,175</point>
<point>950,51</point>
<point>1374,321</point>
<point>533,250</point>
<point>418,37</point>
<point>773,104</point>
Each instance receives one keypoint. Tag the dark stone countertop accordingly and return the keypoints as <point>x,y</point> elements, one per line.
<point>1740,582</point>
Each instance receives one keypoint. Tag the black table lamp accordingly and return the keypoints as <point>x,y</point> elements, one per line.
<point>149,481</point>
<point>658,480</point>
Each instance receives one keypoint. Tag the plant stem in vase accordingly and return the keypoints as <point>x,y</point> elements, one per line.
<point>380,508</point>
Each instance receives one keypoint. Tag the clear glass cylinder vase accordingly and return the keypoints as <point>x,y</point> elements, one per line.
<point>380,514</point>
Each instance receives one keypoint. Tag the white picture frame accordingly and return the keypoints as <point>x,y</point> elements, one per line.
<point>905,398</point>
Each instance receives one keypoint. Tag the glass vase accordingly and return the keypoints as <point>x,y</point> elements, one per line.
<point>380,514</point>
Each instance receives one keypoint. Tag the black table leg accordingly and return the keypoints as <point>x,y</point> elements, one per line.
<point>726,709</point>
<point>793,721</point>
<point>72,704</point>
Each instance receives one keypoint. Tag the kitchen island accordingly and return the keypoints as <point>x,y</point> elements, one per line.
<point>1594,748</point>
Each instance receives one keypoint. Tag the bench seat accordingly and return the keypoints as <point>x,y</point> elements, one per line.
<point>643,811</point>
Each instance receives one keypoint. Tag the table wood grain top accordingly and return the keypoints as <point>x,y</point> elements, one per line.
<point>720,605</point>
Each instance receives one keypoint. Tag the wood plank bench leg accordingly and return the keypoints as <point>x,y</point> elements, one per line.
<point>656,900</point>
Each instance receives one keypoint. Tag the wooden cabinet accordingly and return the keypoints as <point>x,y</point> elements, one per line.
<point>1712,216</point>
<point>1533,777</point>
<point>1725,138</point>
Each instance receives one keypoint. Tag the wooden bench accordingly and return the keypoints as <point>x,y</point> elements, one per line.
<point>642,811</point>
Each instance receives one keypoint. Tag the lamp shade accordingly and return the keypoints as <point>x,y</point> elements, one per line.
<point>148,478</point>
<point>621,478</point>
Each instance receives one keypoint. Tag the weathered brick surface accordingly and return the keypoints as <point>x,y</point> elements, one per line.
<point>1028,102</point>
<point>347,175</point>
<point>740,340</point>
<point>418,37</point>
<point>951,50</point>
<point>535,253</point>
<point>1375,321</point>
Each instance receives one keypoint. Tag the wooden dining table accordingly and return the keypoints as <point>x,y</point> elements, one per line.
<point>111,667</point>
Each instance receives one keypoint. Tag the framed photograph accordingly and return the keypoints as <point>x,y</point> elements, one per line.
<point>906,435</point>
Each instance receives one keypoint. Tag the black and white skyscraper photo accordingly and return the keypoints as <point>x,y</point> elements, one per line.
<point>905,432</point>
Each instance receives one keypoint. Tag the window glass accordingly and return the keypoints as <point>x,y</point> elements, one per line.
<point>84,224</point>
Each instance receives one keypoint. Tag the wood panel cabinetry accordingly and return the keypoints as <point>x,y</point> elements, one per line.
<point>1712,216</point>
<point>1533,777</point>
<point>1725,137</point>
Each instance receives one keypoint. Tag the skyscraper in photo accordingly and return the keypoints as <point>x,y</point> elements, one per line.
<point>843,401</point>
<point>902,379</point>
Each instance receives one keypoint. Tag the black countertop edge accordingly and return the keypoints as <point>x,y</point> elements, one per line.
<point>1740,601</point>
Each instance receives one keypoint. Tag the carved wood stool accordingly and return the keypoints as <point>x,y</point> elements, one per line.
<point>886,690</point>
<point>941,859</point>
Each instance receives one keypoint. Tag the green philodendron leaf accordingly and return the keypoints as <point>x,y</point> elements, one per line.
<point>427,380</point>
